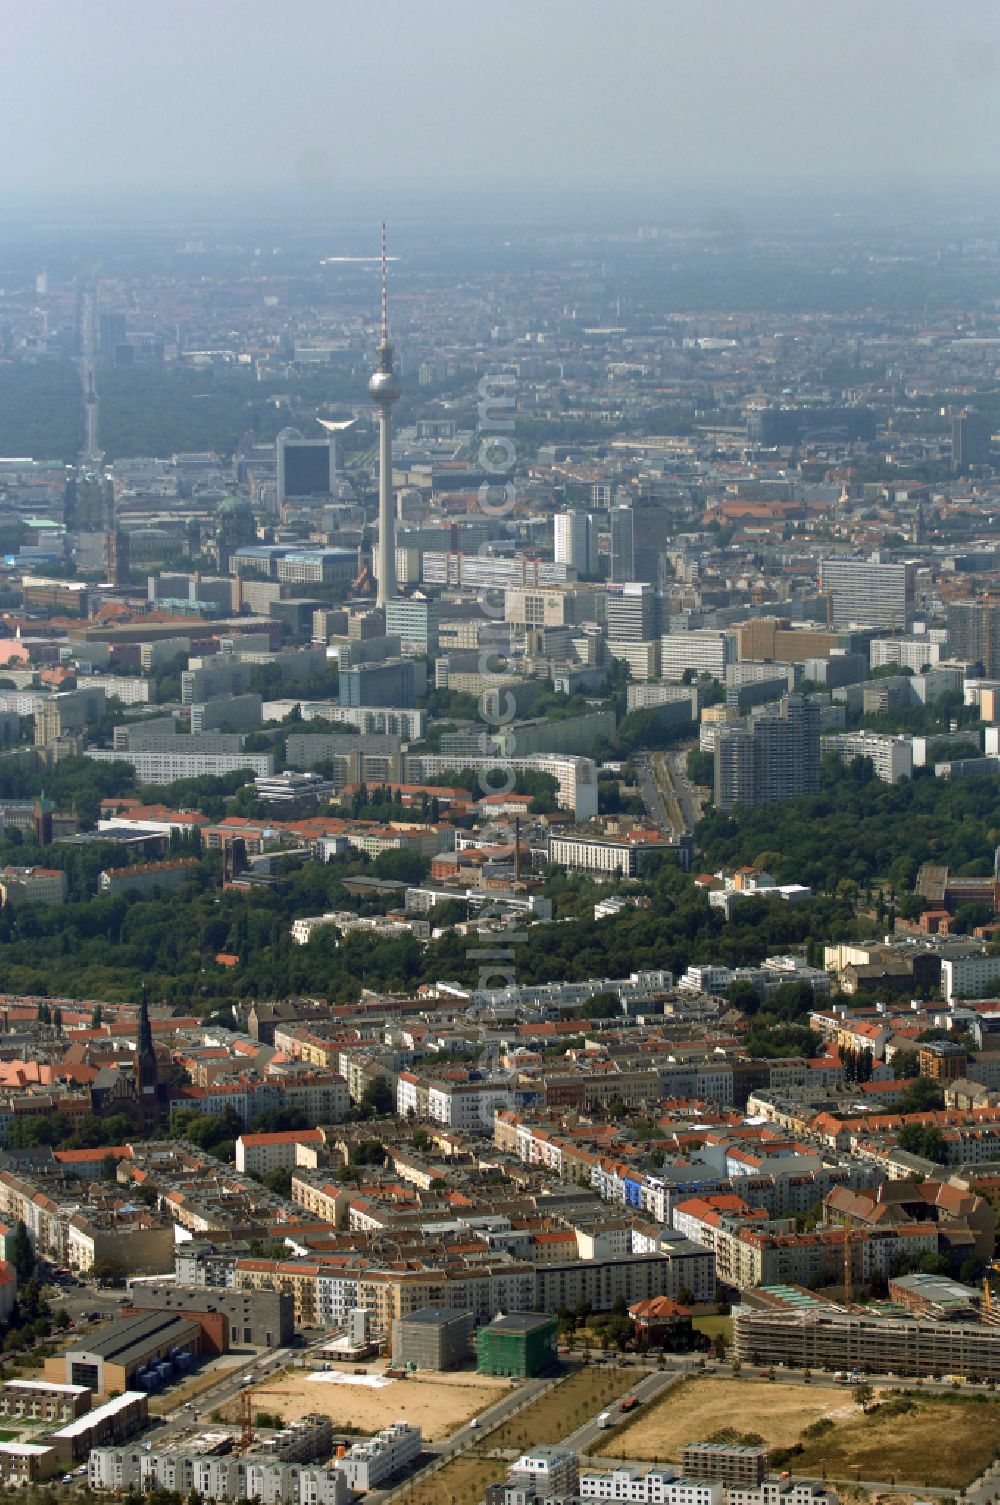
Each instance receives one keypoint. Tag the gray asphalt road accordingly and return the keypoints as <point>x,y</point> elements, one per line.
<point>645,1390</point>
<point>690,808</point>
<point>652,798</point>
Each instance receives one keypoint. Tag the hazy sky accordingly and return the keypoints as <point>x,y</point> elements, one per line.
<point>112,95</point>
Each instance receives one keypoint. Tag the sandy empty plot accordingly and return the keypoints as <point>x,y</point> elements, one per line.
<point>940,1441</point>
<point>694,1410</point>
<point>437,1403</point>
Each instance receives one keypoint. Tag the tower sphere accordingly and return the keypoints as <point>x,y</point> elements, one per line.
<point>384,387</point>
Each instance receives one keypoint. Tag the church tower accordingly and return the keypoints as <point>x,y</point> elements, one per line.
<point>149,1093</point>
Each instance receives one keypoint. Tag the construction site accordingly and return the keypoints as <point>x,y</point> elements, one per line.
<point>366,1400</point>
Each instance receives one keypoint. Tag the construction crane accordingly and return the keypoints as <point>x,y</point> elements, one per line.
<point>247,1397</point>
<point>848,1260</point>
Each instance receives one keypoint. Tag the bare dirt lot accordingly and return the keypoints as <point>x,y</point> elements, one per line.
<point>899,1439</point>
<point>693,1411</point>
<point>944,1441</point>
<point>437,1403</point>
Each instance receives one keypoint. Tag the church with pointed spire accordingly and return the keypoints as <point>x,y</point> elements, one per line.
<point>152,1097</point>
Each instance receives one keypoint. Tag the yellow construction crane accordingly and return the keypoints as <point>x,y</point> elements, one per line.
<point>247,1397</point>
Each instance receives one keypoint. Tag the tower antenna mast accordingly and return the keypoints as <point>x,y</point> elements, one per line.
<point>385,293</point>
<point>384,390</point>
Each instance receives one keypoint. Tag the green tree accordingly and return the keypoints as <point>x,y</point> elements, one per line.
<point>377,1096</point>
<point>22,1253</point>
<point>279,1181</point>
<point>600,1006</point>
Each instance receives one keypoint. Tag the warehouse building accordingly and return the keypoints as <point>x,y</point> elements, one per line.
<point>436,1337</point>
<point>252,1319</point>
<point>119,1357</point>
<point>520,1345</point>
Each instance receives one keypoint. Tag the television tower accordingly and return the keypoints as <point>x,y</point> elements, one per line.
<point>384,389</point>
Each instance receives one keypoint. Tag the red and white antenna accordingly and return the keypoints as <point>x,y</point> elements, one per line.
<point>385,300</point>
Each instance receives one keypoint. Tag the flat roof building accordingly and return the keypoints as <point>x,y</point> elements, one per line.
<point>520,1345</point>
<point>436,1337</point>
<point>113,1359</point>
<point>729,1463</point>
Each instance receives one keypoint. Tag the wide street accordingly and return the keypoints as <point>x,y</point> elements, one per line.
<point>652,798</point>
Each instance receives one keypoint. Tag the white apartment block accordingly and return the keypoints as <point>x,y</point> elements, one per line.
<point>642,658</point>
<point>552,1471</point>
<point>128,688</point>
<point>32,885</point>
<point>658,1486</point>
<point>368,1464</point>
<point>968,976</point>
<point>706,978</point>
<point>575,541</point>
<point>411,1095</point>
<point>164,767</point>
<point>270,1481</point>
<point>467,1105</point>
<point>705,651</point>
<point>644,697</point>
<point>475,571</point>
<point>891,756</point>
<point>602,854</point>
<point>777,1491</point>
<point>868,591</point>
<point>908,653</point>
<point>336,1297</point>
<point>576,778</point>
<point>257,1154</point>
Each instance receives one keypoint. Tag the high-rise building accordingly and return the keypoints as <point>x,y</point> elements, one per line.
<point>772,757</point>
<point>384,389</point>
<point>118,557</point>
<point>803,425</point>
<point>576,541</point>
<point>622,544</point>
<point>632,613</point>
<point>306,468</point>
<point>706,650</point>
<point>735,766</point>
<point>970,440</point>
<point>415,623</point>
<point>868,592</point>
<point>111,333</point>
<point>974,632</point>
<point>389,683</point>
